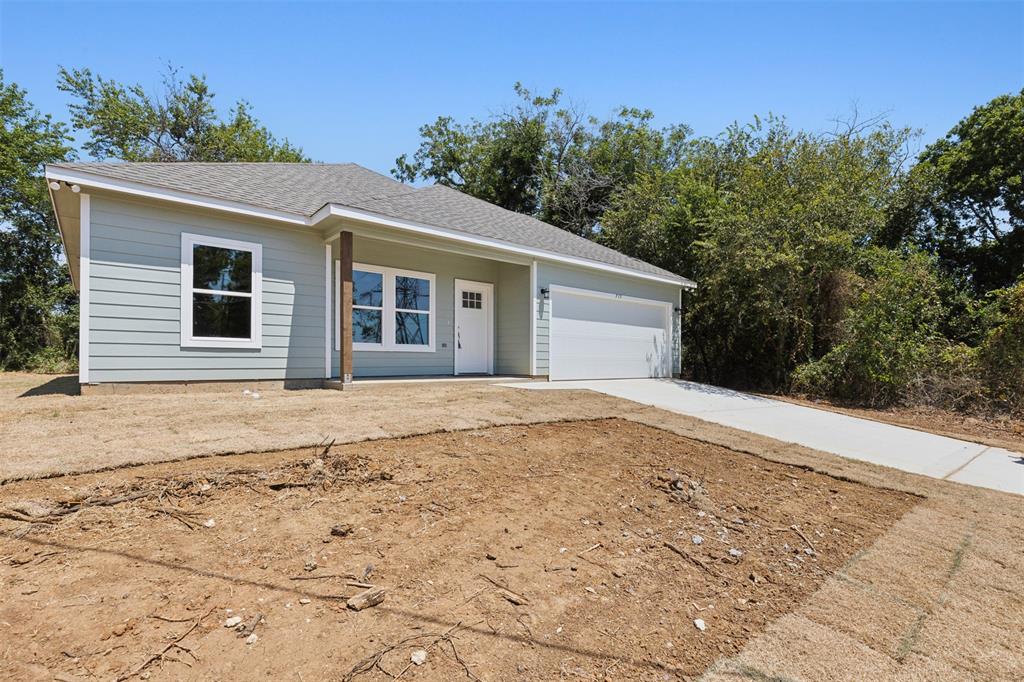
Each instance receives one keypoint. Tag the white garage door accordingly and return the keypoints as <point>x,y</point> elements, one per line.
<point>594,335</point>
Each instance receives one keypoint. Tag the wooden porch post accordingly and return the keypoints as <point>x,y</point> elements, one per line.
<point>345,311</point>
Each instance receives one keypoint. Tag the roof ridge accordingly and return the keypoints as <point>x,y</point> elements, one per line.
<point>298,164</point>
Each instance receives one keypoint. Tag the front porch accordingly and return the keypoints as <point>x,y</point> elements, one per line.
<point>406,308</point>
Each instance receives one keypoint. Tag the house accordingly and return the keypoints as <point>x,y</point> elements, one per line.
<point>301,273</point>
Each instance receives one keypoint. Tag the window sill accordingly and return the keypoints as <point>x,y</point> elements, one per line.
<point>234,344</point>
<point>357,348</point>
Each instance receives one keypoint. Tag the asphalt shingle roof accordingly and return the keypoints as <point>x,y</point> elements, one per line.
<point>304,188</point>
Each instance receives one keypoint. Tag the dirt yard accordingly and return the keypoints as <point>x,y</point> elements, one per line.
<point>909,578</point>
<point>46,429</point>
<point>612,539</point>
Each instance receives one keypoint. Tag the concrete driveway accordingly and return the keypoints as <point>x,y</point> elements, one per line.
<point>914,451</point>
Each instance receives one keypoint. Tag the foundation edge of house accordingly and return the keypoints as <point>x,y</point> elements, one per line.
<point>158,387</point>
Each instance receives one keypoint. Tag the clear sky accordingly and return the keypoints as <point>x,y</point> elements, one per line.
<point>353,82</point>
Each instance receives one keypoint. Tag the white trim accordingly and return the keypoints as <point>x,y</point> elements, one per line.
<point>489,324</point>
<point>337,210</point>
<point>605,294</point>
<point>189,198</point>
<point>557,288</point>
<point>369,216</point>
<point>255,340</point>
<point>84,235</point>
<point>328,311</point>
<point>388,310</point>
<point>63,240</point>
<point>533,318</point>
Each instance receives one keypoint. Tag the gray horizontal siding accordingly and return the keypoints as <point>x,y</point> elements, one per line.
<point>549,274</point>
<point>134,312</point>
<point>512,312</point>
<point>446,268</point>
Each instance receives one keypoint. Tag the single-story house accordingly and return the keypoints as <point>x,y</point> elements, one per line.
<point>306,273</point>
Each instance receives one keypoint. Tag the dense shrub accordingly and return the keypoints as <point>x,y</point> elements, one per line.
<point>889,338</point>
<point>1001,354</point>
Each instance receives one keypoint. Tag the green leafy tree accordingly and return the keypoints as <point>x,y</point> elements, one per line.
<point>965,201</point>
<point>768,221</point>
<point>38,327</point>
<point>499,160</point>
<point>889,336</point>
<point>179,124</point>
<point>1001,354</point>
<point>543,159</point>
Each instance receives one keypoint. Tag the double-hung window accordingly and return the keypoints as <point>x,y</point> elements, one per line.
<point>221,292</point>
<point>392,310</point>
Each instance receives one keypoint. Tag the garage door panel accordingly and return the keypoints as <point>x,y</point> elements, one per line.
<point>607,337</point>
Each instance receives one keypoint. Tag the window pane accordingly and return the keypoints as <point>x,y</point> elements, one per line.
<point>221,269</point>
<point>366,326</point>
<point>412,293</point>
<point>221,316</point>
<point>412,329</point>
<point>367,288</point>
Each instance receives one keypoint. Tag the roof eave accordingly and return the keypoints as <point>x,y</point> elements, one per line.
<point>352,213</point>
<point>97,181</point>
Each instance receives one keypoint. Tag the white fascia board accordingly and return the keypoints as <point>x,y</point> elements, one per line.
<point>63,240</point>
<point>420,228</point>
<point>150,192</point>
<point>91,180</point>
<point>84,296</point>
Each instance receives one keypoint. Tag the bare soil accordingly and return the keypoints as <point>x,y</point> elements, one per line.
<point>1001,432</point>
<point>562,550</point>
<point>46,429</point>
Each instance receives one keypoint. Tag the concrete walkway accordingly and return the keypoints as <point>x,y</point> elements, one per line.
<point>907,449</point>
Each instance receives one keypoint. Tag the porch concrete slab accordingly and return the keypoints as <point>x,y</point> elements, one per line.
<point>894,446</point>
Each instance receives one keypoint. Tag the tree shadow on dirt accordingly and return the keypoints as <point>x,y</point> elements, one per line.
<point>414,615</point>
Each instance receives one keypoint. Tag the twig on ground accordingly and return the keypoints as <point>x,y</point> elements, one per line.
<point>689,557</point>
<point>349,576</point>
<point>373,660</point>
<point>510,595</point>
<point>160,654</point>
<point>796,529</point>
<point>443,636</point>
<point>465,666</point>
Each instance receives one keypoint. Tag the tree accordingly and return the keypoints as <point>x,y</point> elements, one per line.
<point>499,160</point>
<point>543,159</point>
<point>769,222</point>
<point>179,124</point>
<point>966,198</point>
<point>37,301</point>
<point>889,334</point>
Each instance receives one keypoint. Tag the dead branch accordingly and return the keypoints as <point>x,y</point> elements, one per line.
<point>373,660</point>
<point>324,576</point>
<point>796,529</point>
<point>510,595</point>
<point>160,654</point>
<point>689,557</point>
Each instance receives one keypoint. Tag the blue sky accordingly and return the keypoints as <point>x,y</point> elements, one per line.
<point>353,82</point>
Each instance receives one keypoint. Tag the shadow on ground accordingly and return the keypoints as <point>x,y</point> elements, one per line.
<point>62,385</point>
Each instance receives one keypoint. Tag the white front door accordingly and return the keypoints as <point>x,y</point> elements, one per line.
<point>473,323</point>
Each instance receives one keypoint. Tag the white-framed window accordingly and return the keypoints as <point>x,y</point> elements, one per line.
<point>221,292</point>
<point>392,309</point>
